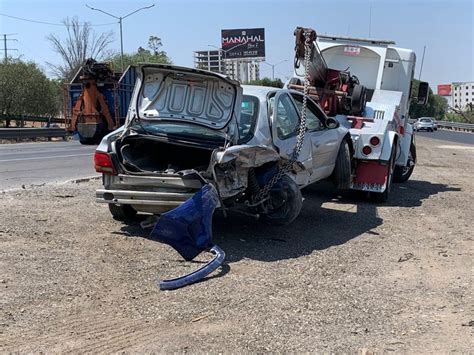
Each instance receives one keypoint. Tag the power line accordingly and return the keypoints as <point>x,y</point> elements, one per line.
<point>55,23</point>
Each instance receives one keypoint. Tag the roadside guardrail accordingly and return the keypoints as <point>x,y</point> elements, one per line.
<point>457,126</point>
<point>17,133</point>
<point>24,118</point>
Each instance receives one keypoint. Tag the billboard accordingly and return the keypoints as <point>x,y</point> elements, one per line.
<point>444,90</point>
<point>243,43</point>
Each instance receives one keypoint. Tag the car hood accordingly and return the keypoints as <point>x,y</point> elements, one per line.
<point>173,93</point>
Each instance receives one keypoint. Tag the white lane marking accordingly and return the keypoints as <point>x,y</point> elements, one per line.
<point>39,158</point>
<point>462,147</point>
<point>45,151</point>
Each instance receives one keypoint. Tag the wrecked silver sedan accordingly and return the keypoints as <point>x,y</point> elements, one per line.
<point>186,128</point>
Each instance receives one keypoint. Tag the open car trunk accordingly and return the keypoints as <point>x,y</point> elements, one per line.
<point>150,155</point>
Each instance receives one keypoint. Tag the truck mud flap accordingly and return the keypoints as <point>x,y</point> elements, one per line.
<point>188,229</point>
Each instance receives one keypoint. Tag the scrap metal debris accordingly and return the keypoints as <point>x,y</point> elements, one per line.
<point>188,229</point>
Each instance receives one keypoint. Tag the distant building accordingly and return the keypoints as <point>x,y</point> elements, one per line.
<point>213,60</point>
<point>462,94</point>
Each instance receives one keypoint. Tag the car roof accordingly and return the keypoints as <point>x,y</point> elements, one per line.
<point>259,91</point>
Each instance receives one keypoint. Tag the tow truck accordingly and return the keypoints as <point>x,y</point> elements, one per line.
<point>366,85</point>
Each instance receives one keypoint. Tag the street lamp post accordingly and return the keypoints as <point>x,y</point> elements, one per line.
<point>120,18</point>
<point>273,67</point>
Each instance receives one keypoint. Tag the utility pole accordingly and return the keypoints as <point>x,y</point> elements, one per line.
<point>422,60</point>
<point>273,67</point>
<point>121,18</point>
<point>5,47</point>
<point>370,20</point>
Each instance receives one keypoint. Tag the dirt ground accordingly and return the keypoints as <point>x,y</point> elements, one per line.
<point>347,275</point>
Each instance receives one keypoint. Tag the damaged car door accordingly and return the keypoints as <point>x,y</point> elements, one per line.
<point>285,119</point>
<point>324,141</point>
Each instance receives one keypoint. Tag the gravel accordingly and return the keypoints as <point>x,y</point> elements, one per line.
<point>347,275</point>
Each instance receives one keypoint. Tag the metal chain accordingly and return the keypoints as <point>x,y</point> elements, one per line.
<point>286,167</point>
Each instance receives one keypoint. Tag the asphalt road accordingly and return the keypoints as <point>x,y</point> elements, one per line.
<point>450,136</point>
<point>38,163</point>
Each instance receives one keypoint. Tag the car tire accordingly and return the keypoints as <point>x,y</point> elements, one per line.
<point>342,169</point>
<point>383,196</point>
<point>403,173</point>
<point>286,203</point>
<point>122,212</point>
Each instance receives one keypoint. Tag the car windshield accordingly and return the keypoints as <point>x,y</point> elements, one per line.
<point>246,125</point>
<point>425,120</point>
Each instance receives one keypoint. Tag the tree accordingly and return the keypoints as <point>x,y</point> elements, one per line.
<point>436,107</point>
<point>142,55</point>
<point>277,83</point>
<point>81,43</point>
<point>458,115</point>
<point>25,90</point>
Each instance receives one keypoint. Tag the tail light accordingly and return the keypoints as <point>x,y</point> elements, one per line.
<point>374,141</point>
<point>366,150</point>
<point>103,163</point>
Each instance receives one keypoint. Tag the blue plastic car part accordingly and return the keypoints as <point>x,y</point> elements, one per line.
<point>188,229</point>
<point>197,275</point>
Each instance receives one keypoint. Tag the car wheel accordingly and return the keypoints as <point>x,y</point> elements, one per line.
<point>122,212</point>
<point>403,173</point>
<point>383,196</point>
<point>285,202</point>
<point>342,169</point>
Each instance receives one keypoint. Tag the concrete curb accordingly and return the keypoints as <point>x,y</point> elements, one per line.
<point>82,179</point>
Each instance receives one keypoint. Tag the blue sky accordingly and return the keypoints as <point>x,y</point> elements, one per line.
<point>445,27</point>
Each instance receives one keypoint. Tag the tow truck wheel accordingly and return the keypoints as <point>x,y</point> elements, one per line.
<point>342,170</point>
<point>285,203</point>
<point>122,212</point>
<point>403,173</point>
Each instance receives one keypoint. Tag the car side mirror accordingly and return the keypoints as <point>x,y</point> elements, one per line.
<point>331,123</point>
<point>423,93</point>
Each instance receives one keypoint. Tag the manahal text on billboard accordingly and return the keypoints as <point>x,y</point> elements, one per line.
<point>243,44</point>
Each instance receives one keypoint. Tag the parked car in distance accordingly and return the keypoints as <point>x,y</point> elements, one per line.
<point>426,124</point>
<point>188,127</point>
